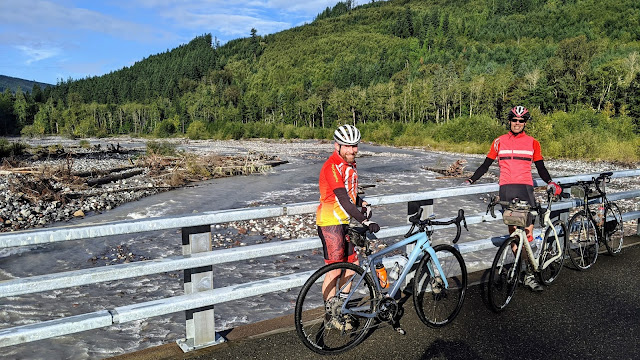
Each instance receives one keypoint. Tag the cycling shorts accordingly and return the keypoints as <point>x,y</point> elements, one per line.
<point>334,246</point>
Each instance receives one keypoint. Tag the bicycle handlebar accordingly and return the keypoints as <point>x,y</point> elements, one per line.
<point>422,224</point>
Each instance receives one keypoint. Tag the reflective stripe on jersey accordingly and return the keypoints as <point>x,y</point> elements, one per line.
<point>515,154</point>
<point>335,173</point>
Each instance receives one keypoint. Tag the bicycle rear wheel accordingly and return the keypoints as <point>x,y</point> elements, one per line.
<point>582,242</point>
<point>551,249</point>
<point>503,278</point>
<point>435,304</point>
<point>321,325</point>
<point>613,229</point>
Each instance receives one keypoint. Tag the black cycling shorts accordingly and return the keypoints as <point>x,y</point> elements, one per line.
<point>524,192</point>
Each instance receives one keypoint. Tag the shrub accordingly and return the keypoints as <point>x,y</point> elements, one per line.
<point>8,148</point>
<point>161,148</point>
<point>165,129</point>
<point>197,130</point>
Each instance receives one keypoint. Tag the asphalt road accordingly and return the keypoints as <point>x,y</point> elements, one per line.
<point>593,314</point>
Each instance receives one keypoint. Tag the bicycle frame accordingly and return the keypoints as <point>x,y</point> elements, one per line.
<point>422,245</point>
<point>533,260</point>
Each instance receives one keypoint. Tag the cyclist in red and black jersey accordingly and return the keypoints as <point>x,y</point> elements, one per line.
<point>515,152</point>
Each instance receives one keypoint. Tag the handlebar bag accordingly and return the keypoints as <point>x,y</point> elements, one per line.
<point>516,217</point>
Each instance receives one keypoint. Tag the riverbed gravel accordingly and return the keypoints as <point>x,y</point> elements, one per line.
<point>19,210</point>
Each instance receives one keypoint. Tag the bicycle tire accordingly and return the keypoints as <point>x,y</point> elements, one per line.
<point>582,241</point>
<point>504,275</point>
<point>549,250</point>
<point>312,313</point>
<point>436,305</point>
<point>613,229</point>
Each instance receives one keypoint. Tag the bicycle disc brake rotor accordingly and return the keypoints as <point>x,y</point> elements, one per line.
<point>387,309</point>
<point>437,285</point>
<point>333,306</point>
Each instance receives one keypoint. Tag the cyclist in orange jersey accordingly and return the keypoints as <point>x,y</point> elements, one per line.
<point>339,202</point>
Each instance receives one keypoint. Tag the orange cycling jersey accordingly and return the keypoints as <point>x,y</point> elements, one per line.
<point>335,173</point>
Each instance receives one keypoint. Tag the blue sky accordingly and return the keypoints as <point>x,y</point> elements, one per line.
<point>49,40</point>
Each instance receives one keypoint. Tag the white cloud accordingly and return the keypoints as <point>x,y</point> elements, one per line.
<point>37,54</point>
<point>44,16</point>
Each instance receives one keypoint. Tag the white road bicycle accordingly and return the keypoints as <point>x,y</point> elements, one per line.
<point>507,265</point>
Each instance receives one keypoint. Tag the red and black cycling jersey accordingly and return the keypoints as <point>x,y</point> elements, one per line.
<point>515,154</point>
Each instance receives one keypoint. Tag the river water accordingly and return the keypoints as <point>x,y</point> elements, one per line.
<point>391,171</point>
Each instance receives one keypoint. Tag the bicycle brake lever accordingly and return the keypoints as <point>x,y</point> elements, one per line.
<point>462,218</point>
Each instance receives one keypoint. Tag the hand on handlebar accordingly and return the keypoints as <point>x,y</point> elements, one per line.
<point>366,211</point>
<point>373,227</point>
<point>554,189</point>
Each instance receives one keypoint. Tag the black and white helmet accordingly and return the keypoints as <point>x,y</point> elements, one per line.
<point>347,135</point>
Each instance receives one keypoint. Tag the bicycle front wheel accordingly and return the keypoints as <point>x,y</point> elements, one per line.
<point>503,278</point>
<point>320,321</point>
<point>613,229</point>
<point>550,250</point>
<point>582,242</point>
<point>437,305</point>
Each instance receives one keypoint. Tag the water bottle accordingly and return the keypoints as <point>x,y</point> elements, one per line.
<point>395,272</point>
<point>537,243</point>
<point>382,275</point>
<point>599,218</point>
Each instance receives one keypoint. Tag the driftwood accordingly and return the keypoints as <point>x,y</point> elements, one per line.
<point>78,195</point>
<point>101,172</point>
<point>455,170</point>
<point>111,178</point>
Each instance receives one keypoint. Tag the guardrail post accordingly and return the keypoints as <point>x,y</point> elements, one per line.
<point>412,208</point>
<point>200,325</point>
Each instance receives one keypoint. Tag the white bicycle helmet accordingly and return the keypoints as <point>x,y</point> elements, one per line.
<point>347,135</point>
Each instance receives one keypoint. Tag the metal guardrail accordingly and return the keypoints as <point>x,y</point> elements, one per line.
<point>104,318</point>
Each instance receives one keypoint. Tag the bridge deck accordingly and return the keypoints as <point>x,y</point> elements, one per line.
<point>590,314</point>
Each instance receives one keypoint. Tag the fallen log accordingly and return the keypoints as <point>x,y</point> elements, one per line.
<point>115,177</point>
<point>101,172</point>
<point>77,195</point>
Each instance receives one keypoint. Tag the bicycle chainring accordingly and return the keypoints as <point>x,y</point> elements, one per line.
<point>387,309</point>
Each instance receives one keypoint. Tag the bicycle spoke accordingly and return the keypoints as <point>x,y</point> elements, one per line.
<point>503,277</point>
<point>582,242</point>
<point>613,228</point>
<point>321,324</point>
<point>552,249</point>
<point>436,304</point>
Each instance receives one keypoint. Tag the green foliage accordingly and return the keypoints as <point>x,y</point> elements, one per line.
<point>478,129</point>
<point>165,128</point>
<point>408,72</point>
<point>8,149</point>
<point>161,148</point>
<point>197,130</point>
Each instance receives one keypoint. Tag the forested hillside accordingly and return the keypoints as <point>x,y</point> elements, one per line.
<point>421,72</point>
<point>12,83</point>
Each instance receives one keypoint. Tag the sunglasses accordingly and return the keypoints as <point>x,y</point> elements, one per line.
<point>521,121</point>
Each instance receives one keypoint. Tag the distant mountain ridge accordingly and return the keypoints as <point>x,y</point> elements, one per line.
<point>12,83</point>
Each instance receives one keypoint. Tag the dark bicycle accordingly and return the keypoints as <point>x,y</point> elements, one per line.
<point>592,225</point>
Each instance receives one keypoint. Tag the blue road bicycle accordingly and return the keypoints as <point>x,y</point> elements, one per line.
<point>341,317</point>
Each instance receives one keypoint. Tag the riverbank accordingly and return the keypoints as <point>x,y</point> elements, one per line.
<point>63,178</point>
<point>56,180</point>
